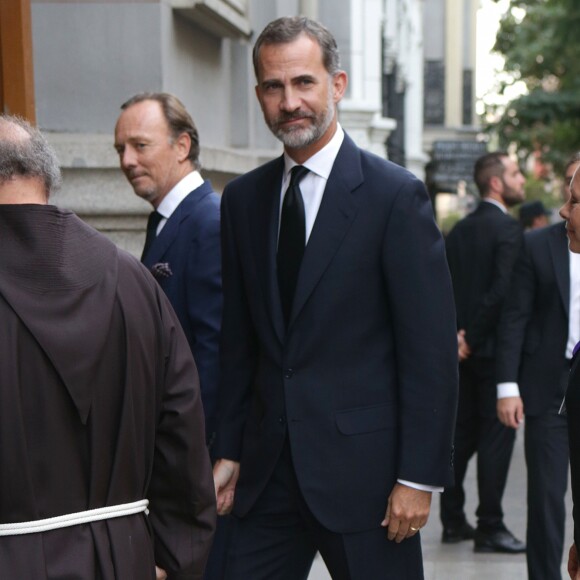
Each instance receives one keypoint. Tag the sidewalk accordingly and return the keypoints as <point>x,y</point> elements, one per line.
<point>458,561</point>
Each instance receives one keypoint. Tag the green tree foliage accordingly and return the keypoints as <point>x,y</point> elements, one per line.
<point>542,49</point>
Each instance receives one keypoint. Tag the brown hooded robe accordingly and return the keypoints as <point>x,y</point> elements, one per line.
<point>99,405</point>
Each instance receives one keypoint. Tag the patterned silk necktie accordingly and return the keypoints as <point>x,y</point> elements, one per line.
<point>292,240</point>
<point>152,222</point>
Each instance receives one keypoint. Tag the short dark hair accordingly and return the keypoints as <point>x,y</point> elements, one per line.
<point>488,166</point>
<point>177,117</point>
<point>288,29</point>
<point>27,156</point>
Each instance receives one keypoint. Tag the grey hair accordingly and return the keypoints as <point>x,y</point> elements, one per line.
<point>288,29</point>
<point>25,152</point>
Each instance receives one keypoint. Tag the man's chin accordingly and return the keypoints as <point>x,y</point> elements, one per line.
<point>145,194</point>
<point>296,139</point>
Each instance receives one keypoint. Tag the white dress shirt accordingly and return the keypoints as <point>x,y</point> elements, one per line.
<point>176,195</point>
<point>312,185</point>
<point>574,309</point>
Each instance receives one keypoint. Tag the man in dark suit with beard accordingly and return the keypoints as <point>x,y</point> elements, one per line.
<point>338,381</point>
<point>481,250</point>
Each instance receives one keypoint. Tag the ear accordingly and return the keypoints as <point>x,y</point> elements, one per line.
<point>258,94</point>
<point>339,84</point>
<point>182,145</point>
<point>495,183</point>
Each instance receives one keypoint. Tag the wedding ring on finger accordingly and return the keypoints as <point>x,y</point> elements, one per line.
<point>414,529</point>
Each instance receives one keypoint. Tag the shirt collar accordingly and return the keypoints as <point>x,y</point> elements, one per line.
<point>179,192</point>
<point>322,161</point>
<point>496,203</point>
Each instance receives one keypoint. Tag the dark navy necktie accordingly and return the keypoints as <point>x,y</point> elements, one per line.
<point>292,240</point>
<point>152,222</point>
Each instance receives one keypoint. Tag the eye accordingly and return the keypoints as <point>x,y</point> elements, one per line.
<point>271,87</point>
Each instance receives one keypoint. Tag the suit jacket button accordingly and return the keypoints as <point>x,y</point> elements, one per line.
<point>281,420</point>
<point>288,373</point>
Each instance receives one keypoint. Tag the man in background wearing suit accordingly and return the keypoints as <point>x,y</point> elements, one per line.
<point>338,378</point>
<point>482,249</point>
<point>539,328</point>
<point>158,146</point>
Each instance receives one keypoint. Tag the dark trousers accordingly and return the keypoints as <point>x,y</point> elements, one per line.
<point>279,538</point>
<point>215,568</point>
<point>478,430</point>
<point>546,447</point>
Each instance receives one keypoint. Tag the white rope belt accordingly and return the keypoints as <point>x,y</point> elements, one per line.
<point>74,519</point>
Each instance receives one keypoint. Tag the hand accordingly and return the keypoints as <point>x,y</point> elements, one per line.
<point>160,573</point>
<point>407,508</point>
<point>573,568</point>
<point>225,478</point>
<point>510,411</point>
<point>463,349</point>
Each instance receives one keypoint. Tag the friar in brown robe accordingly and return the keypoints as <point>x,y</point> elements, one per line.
<point>99,396</point>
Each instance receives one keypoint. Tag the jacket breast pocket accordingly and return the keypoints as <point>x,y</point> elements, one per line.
<point>366,419</point>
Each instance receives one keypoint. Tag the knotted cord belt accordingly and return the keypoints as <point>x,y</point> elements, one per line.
<point>74,519</point>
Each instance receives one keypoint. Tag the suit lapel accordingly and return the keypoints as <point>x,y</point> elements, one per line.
<point>559,250</point>
<point>170,230</point>
<point>264,216</point>
<point>334,218</point>
<point>165,238</point>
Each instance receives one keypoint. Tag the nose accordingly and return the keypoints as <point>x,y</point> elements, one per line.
<point>290,100</point>
<point>128,158</point>
<point>563,211</point>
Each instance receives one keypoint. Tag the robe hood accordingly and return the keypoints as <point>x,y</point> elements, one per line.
<point>60,276</point>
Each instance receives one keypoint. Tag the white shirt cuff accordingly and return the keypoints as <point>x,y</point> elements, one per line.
<point>420,486</point>
<point>507,390</point>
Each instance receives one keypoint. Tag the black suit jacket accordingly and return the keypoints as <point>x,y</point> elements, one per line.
<point>534,327</point>
<point>363,382</point>
<point>189,244</point>
<point>482,249</point>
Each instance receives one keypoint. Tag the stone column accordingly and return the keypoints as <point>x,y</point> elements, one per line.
<point>309,8</point>
<point>414,95</point>
<point>454,63</point>
<point>360,114</point>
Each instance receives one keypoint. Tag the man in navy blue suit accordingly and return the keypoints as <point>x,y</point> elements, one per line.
<point>158,146</point>
<point>339,372</point>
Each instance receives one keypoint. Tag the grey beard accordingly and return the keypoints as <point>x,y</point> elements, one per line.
<point>300,138</point>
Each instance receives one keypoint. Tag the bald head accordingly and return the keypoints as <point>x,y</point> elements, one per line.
<point>14,128</point>
<point>29,168</point>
